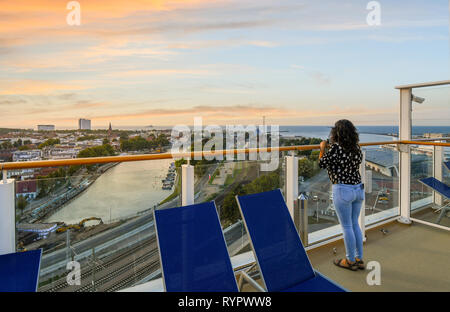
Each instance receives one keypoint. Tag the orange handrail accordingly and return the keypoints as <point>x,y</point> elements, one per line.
<point>128,158</point>
<point>427,143</point>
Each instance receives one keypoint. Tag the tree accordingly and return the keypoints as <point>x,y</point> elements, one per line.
<point>18,143</point>
<point>87,138</point>
<point>137,143</point>
<point>6,145</point>
<point>162,140</point>
<point>72,169</point>
<point>308,167</point>
<point>229,211</point>
<point>97,151</point>
<point>314,155</point>
<point>49,142</point>
<point>43,186</point>
<point>263,183</point>
<point>123,136</point>
<point>21,203</point>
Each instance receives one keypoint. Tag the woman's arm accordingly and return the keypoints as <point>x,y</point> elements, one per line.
<point>328,158</point>
<point>323,146</point>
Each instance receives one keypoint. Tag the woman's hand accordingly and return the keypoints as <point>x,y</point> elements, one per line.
<point>323,146</point>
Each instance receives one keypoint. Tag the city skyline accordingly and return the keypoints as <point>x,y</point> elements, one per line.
<point>162,63</point>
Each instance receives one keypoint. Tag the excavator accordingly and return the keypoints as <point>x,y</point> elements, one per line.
<point>21,248</point>
<point>78,226</point>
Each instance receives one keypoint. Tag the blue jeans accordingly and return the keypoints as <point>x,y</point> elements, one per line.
<point>348,200</point>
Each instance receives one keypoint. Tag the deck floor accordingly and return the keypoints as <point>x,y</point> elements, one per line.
<point>412,258</point>
<point>430,215</point>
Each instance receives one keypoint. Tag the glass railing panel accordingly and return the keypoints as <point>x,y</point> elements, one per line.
<point>431,118</point>
<point>381,197</point>
<point>427,202</point>
<point>381,183</point>
<point>421,167</point>
<point>99,216</point>
<point>221,181</point>
<point>445,169</point>
<point>315,186</point>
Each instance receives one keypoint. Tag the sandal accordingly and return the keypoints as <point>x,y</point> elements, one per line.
<point>360,264</point>
<point>347,265</point>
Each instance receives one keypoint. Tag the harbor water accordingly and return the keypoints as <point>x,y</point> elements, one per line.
<point>120,192</point>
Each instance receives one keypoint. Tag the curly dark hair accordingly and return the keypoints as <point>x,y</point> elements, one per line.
<point>344,133</point>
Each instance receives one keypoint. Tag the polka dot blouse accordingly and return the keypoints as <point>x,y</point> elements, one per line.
<point>342,167</point>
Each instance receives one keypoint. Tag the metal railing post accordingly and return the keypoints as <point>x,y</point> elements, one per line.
<point>291,182</point>
<point>405,156</point>
<point>187,185</point>
<point>7,215</point>
<point>438,159</point>
<point>362,214</point>
<point>301,218</point>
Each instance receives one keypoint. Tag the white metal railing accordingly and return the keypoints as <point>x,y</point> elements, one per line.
<point>405,131</point>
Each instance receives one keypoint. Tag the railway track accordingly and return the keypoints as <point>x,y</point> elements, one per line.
<point>139,266</point>
<point>120,271</point>
<point>138,275</point>
<point>111,260</point>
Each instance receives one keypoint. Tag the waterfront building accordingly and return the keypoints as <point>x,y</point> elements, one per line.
<point>84,124</point>
<point>435,135</point>
<point>385,160</point>
<point>46,127</point>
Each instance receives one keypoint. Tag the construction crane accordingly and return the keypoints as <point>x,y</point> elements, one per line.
<point>78,226</point>
<point>21,247</point>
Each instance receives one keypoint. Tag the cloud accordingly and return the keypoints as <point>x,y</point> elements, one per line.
<point>319,77</point>
<point>29,86</point>
<point>224,43</point>
<point>125,50</point>
<point>233,113</point>
<point>297,66</point>
<point>83,104</point>
<point>158,72</point>
<point>315,75</point>
<point>10,102</point>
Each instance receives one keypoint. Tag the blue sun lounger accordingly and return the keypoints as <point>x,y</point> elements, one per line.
<point>447,164</point>
<point>442,189</point>
<point>19,272</point>
<point>192,250</point>
<point>279,252</point>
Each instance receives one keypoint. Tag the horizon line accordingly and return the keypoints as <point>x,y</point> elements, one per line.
<point>128,127</point>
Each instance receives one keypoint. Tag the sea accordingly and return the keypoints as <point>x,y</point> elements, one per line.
<point>367,133</point>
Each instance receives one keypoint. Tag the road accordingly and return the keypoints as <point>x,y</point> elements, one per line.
<point>128,231</point>
<point>125,266</point>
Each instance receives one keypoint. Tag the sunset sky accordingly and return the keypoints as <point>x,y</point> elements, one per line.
<point>158,62</point>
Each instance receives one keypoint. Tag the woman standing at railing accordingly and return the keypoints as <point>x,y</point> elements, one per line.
<point>342,161</point>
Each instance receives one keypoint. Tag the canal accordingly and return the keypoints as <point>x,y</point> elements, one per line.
<point>120,192</point>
